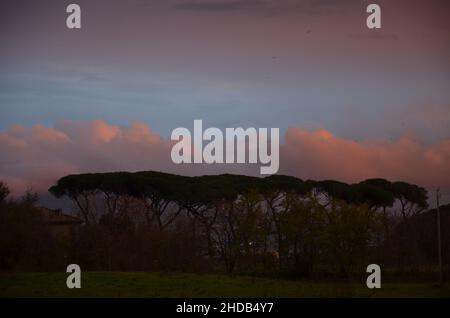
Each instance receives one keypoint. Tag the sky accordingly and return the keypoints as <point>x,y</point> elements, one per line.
<point>351,103</point>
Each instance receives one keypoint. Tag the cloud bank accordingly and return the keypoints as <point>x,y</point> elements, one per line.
<point>35,157</point>
<point>321,155</point>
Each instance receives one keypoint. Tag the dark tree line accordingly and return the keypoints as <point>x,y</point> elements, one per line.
<point>276,224</point>
<point>25,240</point>
<point>152,221</point>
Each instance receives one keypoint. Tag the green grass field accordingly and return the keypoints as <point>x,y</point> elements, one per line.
<point>105,284</point>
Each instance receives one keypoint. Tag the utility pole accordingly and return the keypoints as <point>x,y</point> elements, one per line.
<point>439,237</point>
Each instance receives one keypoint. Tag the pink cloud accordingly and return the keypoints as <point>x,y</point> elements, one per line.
<point>321,155</point>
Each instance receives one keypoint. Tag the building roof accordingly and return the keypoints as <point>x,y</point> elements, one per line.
<point>56,216</point>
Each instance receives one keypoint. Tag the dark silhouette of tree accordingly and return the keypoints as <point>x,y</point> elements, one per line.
<point>335,190</point>
<point>4,191</point>
<point>248,224</point>
<point>279,192</point>
<point>158,192</point>
<point>412,198</point>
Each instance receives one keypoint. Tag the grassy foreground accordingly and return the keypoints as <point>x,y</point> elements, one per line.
<point>105,284</point>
